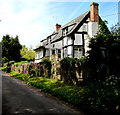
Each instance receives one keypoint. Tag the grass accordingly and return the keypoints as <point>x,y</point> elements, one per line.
<point>88,98</point>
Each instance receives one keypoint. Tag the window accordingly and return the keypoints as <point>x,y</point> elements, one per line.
<point>53,51</point>
<point>78,39</point>
<point>77,52</point>
<point>59,53</point>
<point>47,53</point>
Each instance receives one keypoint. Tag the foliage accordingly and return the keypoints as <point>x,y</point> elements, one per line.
<point>104,56</point>
<point>102,98</point>
<point>33,73</point>
<point>27,54</point>
<point>4,60</point>
<point>115,30</point>
<point>21,62</point>
<point>10,48</point>
<point>11,62</point>
<point>103,29</point>
<point>3,68</point>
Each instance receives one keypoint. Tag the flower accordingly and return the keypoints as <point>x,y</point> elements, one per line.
<point>117,107</point>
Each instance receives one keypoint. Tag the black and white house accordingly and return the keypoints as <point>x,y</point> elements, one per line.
<point>72,39</point>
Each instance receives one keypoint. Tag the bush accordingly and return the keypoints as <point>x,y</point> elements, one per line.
<point>3,68</point>
<point>11,62</point>
<point>102,97</point>
<point>4,60</point>
<point>22,62</point>
<point>33,73</point>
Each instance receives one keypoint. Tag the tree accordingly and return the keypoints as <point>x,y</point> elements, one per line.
<point>26,54</point>
<point>104,56</point>
<point>11,49</point>
<point>115,29</point>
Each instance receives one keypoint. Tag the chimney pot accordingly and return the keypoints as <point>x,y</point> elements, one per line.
<point>58,27</point>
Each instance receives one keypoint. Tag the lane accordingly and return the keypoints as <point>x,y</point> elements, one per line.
<point>19,97</point>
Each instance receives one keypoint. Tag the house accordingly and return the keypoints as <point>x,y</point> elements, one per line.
<point>72,39</point>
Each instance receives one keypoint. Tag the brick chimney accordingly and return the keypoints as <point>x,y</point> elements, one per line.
<point>94,13</point>
<point>58,27</point>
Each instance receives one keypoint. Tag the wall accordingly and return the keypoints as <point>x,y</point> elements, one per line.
<point>48,70</point>
<point>92,29</point>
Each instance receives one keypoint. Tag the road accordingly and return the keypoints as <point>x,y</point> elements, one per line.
<point>18,97</point>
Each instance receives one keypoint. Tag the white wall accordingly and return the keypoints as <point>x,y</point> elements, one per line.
<point>70,51</point>
<point>92,29</point>
<point>58,44</point>
<point>65,41</point>
<point>70,41</point>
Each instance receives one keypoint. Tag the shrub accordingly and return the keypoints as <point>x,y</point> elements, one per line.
<point>33,73</point>
<point>4,60</point>
<point>11,62</point>
<point>3,68</point>
<point>22,62</point>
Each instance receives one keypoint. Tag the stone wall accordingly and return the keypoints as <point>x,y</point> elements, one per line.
<point>54,71</point>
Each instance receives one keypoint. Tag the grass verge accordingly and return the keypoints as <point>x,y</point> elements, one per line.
<point>95,98</point>
<point>68,93</point>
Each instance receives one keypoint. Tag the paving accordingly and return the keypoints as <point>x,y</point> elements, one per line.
<point>18,97</point>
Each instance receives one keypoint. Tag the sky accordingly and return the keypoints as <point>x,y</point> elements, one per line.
<point>34,20</point>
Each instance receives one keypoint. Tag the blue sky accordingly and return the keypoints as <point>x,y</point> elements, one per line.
<point>34,20</point>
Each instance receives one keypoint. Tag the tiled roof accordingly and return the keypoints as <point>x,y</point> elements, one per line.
<point>74,22</point>
<point>58,33</point>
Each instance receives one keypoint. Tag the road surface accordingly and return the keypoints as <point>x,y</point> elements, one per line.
<point>18,97</point>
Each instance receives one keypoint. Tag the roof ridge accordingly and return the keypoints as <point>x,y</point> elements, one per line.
<point>69,23</point>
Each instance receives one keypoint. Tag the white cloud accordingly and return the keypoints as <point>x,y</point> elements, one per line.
<point>26,22</point>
